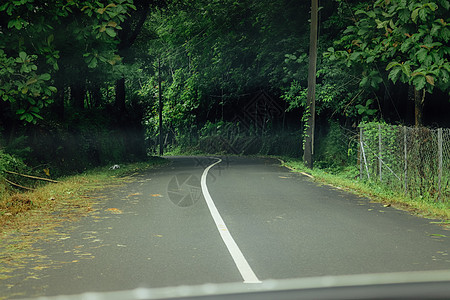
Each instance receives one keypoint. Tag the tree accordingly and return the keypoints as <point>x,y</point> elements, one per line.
<point>409,39</point>
<point>38,37</point>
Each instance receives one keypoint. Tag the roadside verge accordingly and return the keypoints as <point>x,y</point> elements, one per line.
<point>419,207</point>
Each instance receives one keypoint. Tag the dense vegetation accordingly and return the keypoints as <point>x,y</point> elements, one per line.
<point>79,80</point>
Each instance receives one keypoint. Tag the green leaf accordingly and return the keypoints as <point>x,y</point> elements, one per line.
<point>419,82</point>
<point>406,69</point>
<point>395,74</point>
<point>23,56</point>
<point>392,64</point>
<point>111,32</point>
<point>406,45</point>
<point>355,55</point>
<point>50,39</point>
<point>423,14</point>
<point>18,25</point>
<point>93,63</point>
<point>45,76</point>
<point>421,55</point>
<point>414,15</point>
<point>363,82</point>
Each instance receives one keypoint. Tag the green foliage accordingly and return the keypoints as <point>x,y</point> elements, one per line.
<point>407,38</point>
<point>365,111</point>
<point>23,87</point>
<point>57,33</point>
<point>334,150</point>
<point>10,163</point>
<point>13,163</point>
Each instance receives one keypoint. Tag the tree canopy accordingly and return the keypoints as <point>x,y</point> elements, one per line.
<point>71,65</point>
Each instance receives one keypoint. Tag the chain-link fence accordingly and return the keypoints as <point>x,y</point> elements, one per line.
<point>413,160</point>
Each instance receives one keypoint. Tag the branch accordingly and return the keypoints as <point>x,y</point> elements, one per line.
<point>18,185</point>
<point>29,176</point>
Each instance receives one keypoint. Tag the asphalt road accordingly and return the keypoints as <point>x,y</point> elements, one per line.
<point>261,222</point>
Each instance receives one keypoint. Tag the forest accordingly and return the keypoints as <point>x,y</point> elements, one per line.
<point>86,83</point>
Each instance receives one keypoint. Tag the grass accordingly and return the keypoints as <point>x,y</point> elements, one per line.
<point>347,180</point>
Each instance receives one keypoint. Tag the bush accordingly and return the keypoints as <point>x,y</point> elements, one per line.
<point>9,163</point>
<point>334,149</point>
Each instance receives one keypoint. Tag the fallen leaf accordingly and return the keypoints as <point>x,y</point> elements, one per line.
<point>159,235</point>
<point>134,194</point>
<point>39,268</point>
<point>386,205</point>
<point>156,195</point>
<point>437,235</point>
<point>114,210</point>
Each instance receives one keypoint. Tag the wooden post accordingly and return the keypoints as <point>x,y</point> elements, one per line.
<point>309,139</point>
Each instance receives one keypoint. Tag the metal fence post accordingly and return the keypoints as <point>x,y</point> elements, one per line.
<point>360,153</point>
<point>379,153</point>
<point>406,159</point>
<point>364,157</point>
<point>440,158</point>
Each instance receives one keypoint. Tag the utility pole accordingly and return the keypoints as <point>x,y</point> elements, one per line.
<point>311,98</point>
<point>160,110</point>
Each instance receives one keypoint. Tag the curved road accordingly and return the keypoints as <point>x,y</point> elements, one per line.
<point>159,230</point>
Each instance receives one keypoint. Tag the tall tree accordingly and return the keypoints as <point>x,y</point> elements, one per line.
<point>409,39</point>
<point>38,37</point>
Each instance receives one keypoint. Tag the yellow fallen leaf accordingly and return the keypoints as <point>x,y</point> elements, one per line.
<point>159,235</point>
<point>134,194</point>
<point>156,195</point>
<point>114,210</point>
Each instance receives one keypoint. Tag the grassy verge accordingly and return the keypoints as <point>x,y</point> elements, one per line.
<point>345,180</point>
<point>50,204</point>
<point>66,196</point>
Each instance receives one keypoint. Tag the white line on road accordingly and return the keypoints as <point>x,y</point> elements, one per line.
<point>244,268</point>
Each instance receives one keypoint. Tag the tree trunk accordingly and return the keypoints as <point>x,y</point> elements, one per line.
<point>77,94</point>
<point>58,107</point>
<point>120,95</point>
<point>419,99</point>
<point>96,96</point>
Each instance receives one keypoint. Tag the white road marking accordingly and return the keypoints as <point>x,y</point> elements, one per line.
<point>241,263</point>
